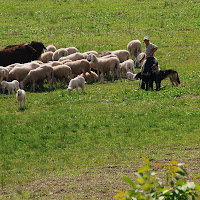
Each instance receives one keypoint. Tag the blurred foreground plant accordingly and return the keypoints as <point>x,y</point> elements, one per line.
<point>148,186</point>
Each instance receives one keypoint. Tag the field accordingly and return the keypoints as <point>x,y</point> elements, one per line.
<point>69,146</point>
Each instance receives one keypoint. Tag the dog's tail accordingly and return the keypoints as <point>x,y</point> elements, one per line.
<point>178,80</point>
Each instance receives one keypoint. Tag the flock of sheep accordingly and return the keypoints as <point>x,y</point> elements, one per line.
<point>26,66</point>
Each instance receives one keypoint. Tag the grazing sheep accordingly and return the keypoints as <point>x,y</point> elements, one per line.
<point>37,75</point>
<point>135,48</point>
<point>46,56</point>
<point>76,82</point>
<point>79,66</point>
<point>123,55</point>
<point>103,53</point>
<point>130,76</point>
<point>63,73</point>
<point>14,85</point>
<point>11,66</point>
<point>71,50</point>
<point>54,63</point>
<point>19,72</point>
<point>126,66</point>
<point>137,60</point>
<point>17,54</point>
<point>21,97</point>
<point>90,77</point>
<point>51,48</point>
<point>59,53</point>
<point>73,57</point>
<point>105,65</point>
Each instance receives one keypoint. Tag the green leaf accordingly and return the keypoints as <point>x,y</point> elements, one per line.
<point>197,176</point>
<point>143,169</point>
<point>180,182</point>
<point>129,181</point>
<point>197,186</point>
<point>146,160</point>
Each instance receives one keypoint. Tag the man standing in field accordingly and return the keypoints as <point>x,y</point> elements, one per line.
<point>150,59</point>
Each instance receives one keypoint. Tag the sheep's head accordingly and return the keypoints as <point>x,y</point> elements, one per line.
<point>69,89</point>
<point>19,92</point>
<point>3,84</point>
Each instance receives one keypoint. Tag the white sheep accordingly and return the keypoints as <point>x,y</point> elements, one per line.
<point>127,66</point>
<point>105,65</point>
<point>123,55</point>
<point>71,50</point>
<point>137,60</point>
<point>21,97</point>
<point>59,53</point>
<point>14,85</point>
<point>3,73</point>
<point>76,82</point>
<point>46,56</point>
<point>130,76</point>
<point>135,48</point>
<point>51,48</point>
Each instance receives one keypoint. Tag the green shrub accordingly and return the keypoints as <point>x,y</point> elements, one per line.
<point>149,186</point>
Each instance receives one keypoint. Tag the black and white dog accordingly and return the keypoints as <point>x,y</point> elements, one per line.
<point>157,77</point>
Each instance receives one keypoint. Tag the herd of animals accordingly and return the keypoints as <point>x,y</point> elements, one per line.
<point>26,66</point>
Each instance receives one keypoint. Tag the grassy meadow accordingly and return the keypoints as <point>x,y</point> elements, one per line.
<point>69,146</point>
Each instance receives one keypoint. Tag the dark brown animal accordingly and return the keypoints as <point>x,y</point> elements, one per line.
<point>38,46</point>
<point>17,54</point>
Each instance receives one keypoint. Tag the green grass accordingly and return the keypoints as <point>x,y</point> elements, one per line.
<point>70,146</point>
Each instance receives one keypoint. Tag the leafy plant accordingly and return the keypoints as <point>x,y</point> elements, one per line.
<point>148,186</point>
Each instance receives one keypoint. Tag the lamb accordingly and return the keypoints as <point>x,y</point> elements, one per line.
<point>105,65</point>
<point>76,82</point>
<point>14,85</point>
<point>3,73</point>
<point>123,55</point>
<point>37,75</point>
<point>46,56</point>
<point>62,72</point>
<point>135,48</point>
<point>19,72</point>
<point>21,97</point>
<point>126,66</point>
<point>51,48</point>
<point>90,77</point>
<point>79,66</point>
<point>130,76</point>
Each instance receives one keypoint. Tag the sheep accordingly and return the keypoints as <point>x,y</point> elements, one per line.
<point>130,76</point>
<point>17,54</point>
<point>39,74</point>
<point>62,72</point>
<point>123,55</point>
<point>21,97</point>
<point>14,85</point>
<point>71,50</point>
<point>79,66</point>
<point>54,63</point>
<point>137,60</point>
<point>59,53</point>
<point>73,57</point>
<point>51,48</point>
<point>135,48</point>
<point>105,65</point>
<point>90,77</point>
<point>76,82</point>
<point>19,72</point>
<point>3,73</point>
<point>46,56</point>
<point>126,66</point>
<point>103,53</point>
